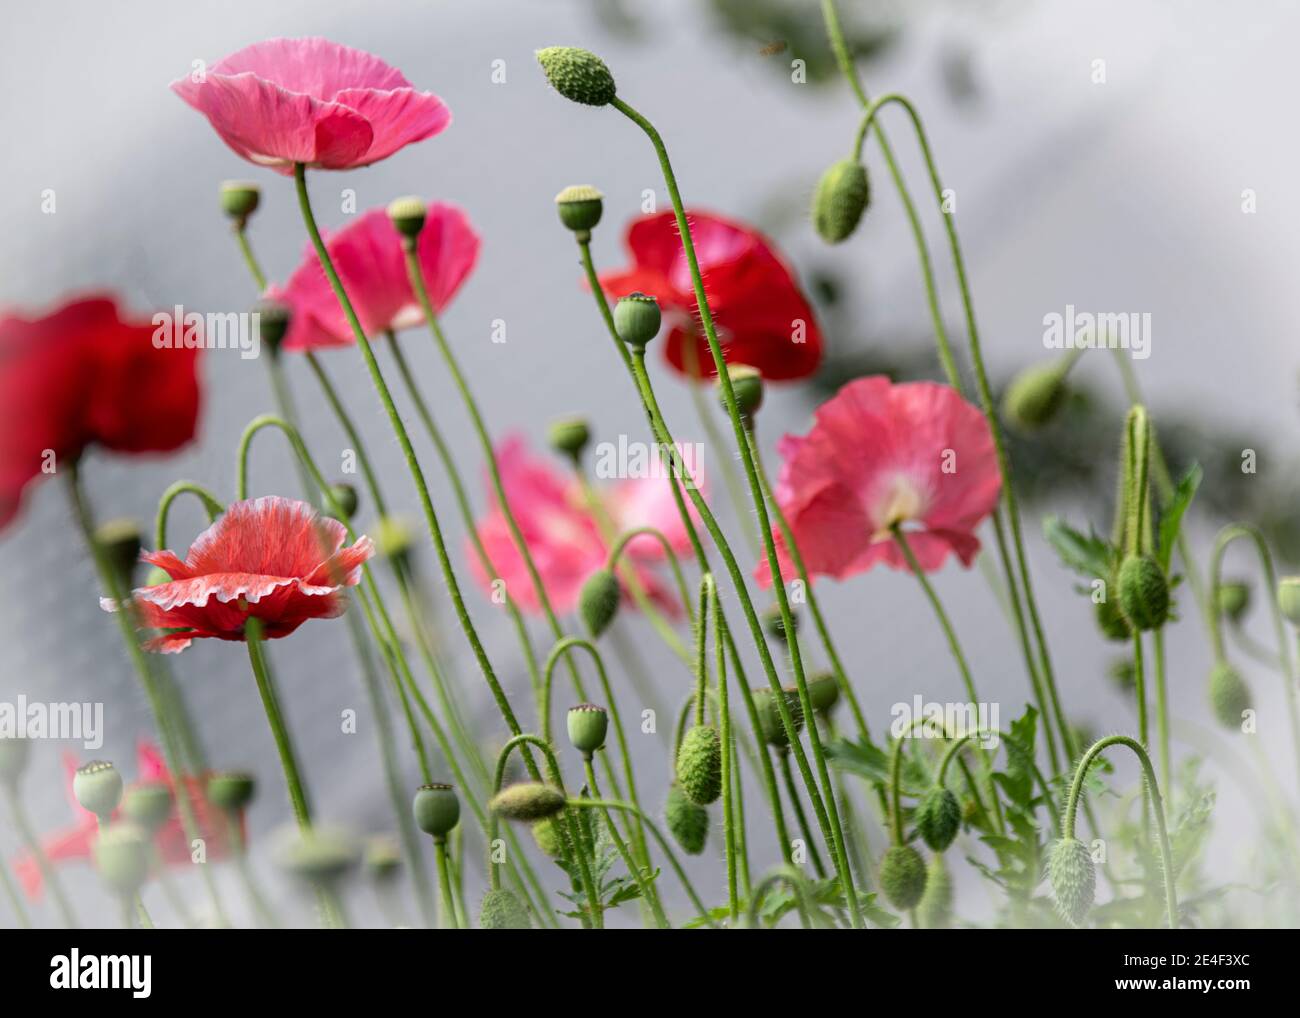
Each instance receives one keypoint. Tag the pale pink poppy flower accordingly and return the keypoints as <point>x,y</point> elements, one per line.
<point>563,534</point>
<point>879,454</point>
<point>311,101</point>
<point>369,258</point>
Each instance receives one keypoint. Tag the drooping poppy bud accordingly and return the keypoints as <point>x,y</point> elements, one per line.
<point>902,876</point>
<point>598,601</point>
<point>769,716</point>
<point>1143,592</point>
<point>688,822</point>
<point>347,498</point>
<point>502,910</point>
<point>577,74</point>
<point>1034,396</point>
<point>699,765</point>
<point>1229,695</point>
<point>842,195</point>
<point>1073,878</point>
<point>528,801</point>
<point>938,818</point>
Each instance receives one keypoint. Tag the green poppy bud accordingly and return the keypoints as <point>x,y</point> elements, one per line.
<point>699,765</point>
<point>1110,620</point>
<point>637,318</point>
<point>577,74</point>
<point>823,692</point>
<point>1232,598</point>
<point>120,542</point>
<point>319,855</point>
<point>580,207</point>
<point>1034,396</point>
<point>98,787</point>
<point>1229,695</point>
<point>122,858</point>
<point>231,791</point>
<point>272,322</point>
<point>934,911</point>
<point>1288,599</point>
<point>747,387</point>
<point>408,215</point>
<point>14,753</point>
<point>1122,673</point>
<point>598,601</point>
<point>437,810</point>
<point>528,801</point>
<point>902,876</point>
<point>502,910</point>
<point>842,195</point>
<point>1073,878</point>
<point>382,859</point>
<point>1143,592</point>
<point>239,200</point>
<point>588,725</point>
<point>769,716</point>
<point>347,498</point>
<point>548,838</point>
<point>394,539</point>
<point>938,818</point>
<point>775,625</point>
<point>148,804</point>
<point>687,821</point>
<point>569,436</point>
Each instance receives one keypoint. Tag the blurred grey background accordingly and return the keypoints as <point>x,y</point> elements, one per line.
<point>1119,196</point>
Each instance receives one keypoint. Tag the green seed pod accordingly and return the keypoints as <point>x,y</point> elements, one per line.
<point>382,859</point>
<point>934,912</point>
<point>408,215</point>
<point>347,498</point>
<point>580,207</point>
<point>1229,695</point>
<point>842,195</point>
<point>1288,599</point>
<point>437,810</point>
<point>699,765</point>
<point>319,855</point>
<point>1232,598</point>
<point>502,910</point>
<point>1073,878</point>
<point>637,318</point>
<point>148,804</point>
<point>938,818</point>
<point>588,725</point>
<point>14,753</point>
<point>598,601</point>
<point>1122,673</point>
<point>272,322</point>
<point>902,876</point>
<point>823,692</point>
<point>577,74</point>
<point>569,436</point>
<point>231,790</point>
<point>239,199</point>
<point>548,838</point>
<point>1034,396</point>
<point>120,542</point>
<point>122,857</point>
<point>98,787</point>
<point>769,716</point>
<point>775,625</point>
<point>1110,620</point>
<point>746,386</point>
<point>528,801</point>
<point>1143,592</point>
<point>687,821</point>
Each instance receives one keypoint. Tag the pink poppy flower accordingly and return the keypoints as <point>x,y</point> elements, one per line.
<point>271,558</point>
<point>311,101</point>
<point>370,260</point>
<point>563,534</point>
<point>77,841</point>
<point>880,454</point>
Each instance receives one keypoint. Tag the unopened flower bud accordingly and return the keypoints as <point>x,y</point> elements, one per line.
<point>747,387</point>
<point>580,207</point>
<point>1143,592</point>
<point>823,692</point>
<point>1232,597</point>
<point>769,716</point>
<point>502,910</point>
<point>98,787</point>
<point>577,74</point>
<point>272,322</point>
<point>774,624</point>
<point>382,859</point>
<point>528,801</point>
<point>1229,695</point>
<point>637,318</point>
<point>938,818</point>
<point>148,804</point>
<point>902,876</point>
<point>120,542</point>
<point>569,436</point>
<point>934,911</point>
<point>598,601</point>
<point>231,791</point>
<point>699,764</point>
<point>318,855</point>
<point>437,810</point>
<point>122,858</point>
<point>688,822</point>
<point>1288,599</point>
<point>1034,396</point>
<point>548,838</point>
<point>588,725</point>
<point>842,195</point>
<point>13,759</point>
<point>239,200</point>
<point>345,495</point>
<point>1073,878</point>
<point>408,215</point>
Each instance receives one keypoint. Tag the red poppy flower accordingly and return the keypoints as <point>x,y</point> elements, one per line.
<point>312,101</point>
<point>271,558</point>
<point>370,260</point>
<point>84,376</point>
<point>77,842</point>
<point>880,454</point>
<point>762,318</point>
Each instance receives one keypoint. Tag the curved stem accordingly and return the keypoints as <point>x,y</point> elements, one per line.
<point>786,874</point>
<point>648,893</point>
<point>679,577</point>
<point>211,505</point>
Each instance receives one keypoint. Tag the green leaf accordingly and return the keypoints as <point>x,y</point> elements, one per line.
<point>1089,556</point>
<point>1171,518</point>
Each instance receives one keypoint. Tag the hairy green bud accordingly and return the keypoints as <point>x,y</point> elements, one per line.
<point>902,876</point>
<point>699,765</point>
<point>1143,592</point>
<point>842,195</point>
<point>1229,694</point>
<point>938,818</point>
<point>1073,878</point>
<point>598,601</point>
<point>528,801</point>
<point>1034,396</point>
<point>1110,620</point>
<point>823,692</point>
<point>688,822</point>
<point>577,74</point>
<point>548,838</point>
<point>769,715</point>
<point>502,910</point>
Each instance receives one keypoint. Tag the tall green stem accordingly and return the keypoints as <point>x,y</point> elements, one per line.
<point>33,845</point>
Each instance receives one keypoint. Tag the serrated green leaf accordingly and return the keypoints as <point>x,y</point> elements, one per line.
<point>1171,517</point>
<point>1089,556</point>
